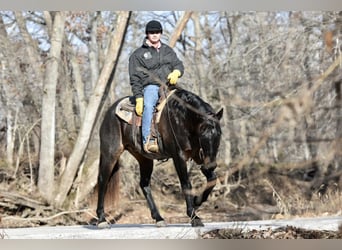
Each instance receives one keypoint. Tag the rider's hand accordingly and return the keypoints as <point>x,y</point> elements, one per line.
<point>139,106</point>
<point>173,76</point>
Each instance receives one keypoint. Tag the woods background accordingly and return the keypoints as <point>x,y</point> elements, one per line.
<point>277,75</point>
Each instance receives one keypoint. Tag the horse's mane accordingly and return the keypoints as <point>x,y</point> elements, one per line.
<point>188,104</point>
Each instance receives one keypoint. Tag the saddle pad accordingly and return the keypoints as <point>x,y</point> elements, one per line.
<point>126,109</point>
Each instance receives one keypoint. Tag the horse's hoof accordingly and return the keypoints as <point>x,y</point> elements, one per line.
<point>197,223</point>
<point>103,225</point>
<point>161,223</point>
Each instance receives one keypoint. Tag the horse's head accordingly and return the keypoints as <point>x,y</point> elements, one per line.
<point>209,132</point>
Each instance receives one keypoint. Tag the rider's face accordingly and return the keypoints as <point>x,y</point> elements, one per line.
<point>154,37</point>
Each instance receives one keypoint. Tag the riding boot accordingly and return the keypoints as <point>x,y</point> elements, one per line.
<point>151,146</point>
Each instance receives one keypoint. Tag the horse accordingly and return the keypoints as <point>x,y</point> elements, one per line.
<point>189,129</point>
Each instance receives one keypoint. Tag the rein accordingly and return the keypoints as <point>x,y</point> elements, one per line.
<point>168,116</point>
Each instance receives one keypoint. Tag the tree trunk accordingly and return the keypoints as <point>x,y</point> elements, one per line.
<point>88,123</point>
<point>47,152</point>
<point>31,46</point>
<point>94,51</point>
<point>79,86</point>
<point>179,28</point>
<point>338,100</point>
<point>338,154</point>
<point>65,115</point>
<point>198,55</point>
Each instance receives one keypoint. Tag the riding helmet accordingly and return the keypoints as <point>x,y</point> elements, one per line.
<point>153,26</point>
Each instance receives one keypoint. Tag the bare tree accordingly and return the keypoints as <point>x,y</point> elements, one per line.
<point>92,109</point>
<point>199,65</point>
<point>47,152</point>
<point>180,27</point>
<point>31,46</point>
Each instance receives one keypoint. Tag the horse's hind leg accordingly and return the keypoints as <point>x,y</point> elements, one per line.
<point>111,148</point>
<point>108,169</point>
<point>146,169</point>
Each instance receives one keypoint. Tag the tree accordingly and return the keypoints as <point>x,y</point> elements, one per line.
<point>180,27</point>
<point>46,177</point>
<point>93,107</point>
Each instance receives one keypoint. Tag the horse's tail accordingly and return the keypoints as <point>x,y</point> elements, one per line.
<point>112,195</point>
<point>113,189</point>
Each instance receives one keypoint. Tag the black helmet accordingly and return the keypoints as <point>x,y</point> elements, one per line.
<point>153,26</point>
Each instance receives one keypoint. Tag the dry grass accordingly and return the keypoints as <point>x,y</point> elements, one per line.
<point>288,232</point>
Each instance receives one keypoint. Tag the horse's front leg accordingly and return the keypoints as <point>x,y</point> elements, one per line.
<point>183,176</point>
<point>211,182</point>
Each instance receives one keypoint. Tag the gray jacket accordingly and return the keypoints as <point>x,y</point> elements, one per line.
<point>147,63</point>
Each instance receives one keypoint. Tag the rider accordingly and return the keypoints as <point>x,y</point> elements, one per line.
<point>153,60</point>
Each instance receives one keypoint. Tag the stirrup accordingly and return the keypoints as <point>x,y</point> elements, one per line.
<point>151,146</point>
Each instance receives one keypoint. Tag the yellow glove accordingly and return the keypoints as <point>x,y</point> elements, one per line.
<point>173,76</point>
<point>139,106</point>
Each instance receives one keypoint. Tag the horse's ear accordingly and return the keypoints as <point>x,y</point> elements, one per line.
<point>219,114</point>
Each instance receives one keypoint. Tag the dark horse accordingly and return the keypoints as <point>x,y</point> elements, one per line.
<point>188,127</point>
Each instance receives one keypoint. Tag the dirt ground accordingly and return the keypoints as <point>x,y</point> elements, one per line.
<point>259,193</point>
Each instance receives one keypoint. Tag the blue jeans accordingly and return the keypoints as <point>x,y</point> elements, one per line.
<point>151,96</point>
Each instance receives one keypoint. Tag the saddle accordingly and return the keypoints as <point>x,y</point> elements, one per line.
<point>126,111</point>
